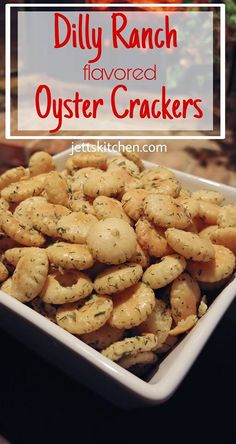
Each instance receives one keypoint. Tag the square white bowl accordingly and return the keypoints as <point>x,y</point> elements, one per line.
<point>94,370</point>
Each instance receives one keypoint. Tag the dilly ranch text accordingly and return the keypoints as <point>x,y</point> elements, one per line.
<point>84,36</point>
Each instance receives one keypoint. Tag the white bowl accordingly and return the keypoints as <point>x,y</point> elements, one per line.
<point>99,373</point>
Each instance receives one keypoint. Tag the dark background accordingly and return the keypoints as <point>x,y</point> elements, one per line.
<point>40,404</point>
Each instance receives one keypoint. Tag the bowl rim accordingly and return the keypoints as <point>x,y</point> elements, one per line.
<point>157,389</point>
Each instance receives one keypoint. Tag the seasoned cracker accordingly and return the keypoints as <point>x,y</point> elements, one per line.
<point>118,278</point>
<point>69,286</point>
<point>11,176</point>
<point>158,322</point>
<point>225,237</point>
<point>6,286</point>
<point>220,267</point>
<point>202,309</point>
<point>80,203</point>
<point>207,232</point>
<point>171,187</point>
<point>123,163</point>
<point>109,184</point>
<point>227,216</point>
<point>69,256</point>
<point>212,196</point>
<point>80,318</point>
<point>130,182</point>
<point>74,227</point>
<point>13,255</point>
<point>25,210</point>
<point>30,275</point>
<point>151,238</point>
<point>80,177</point>
<point>208,212</point>
<point>164,272</point>
<point>165,211</point>
<point>56,189</point>
<point>184,192</point>
<point>185,296</point>
<point>89,159</point>
<point>112,241</point>
<point>190,245</point>
<point>154,175</point>
<point>184,325</point>
<point>132,306</point>
<point>134,157</point>
<point>41,162</point>
<point>141,257</point>
<point>105,207</point>
<point>191,205</point>
<point>132,202</point>
<point>3,272</point>
<point>19,233</point>
<point>19,191</point>
<point>130,346</point>
<point>45,218</point>
<point>4,205</point>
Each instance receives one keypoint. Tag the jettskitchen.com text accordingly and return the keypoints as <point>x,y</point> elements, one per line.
<point>117,147</point>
